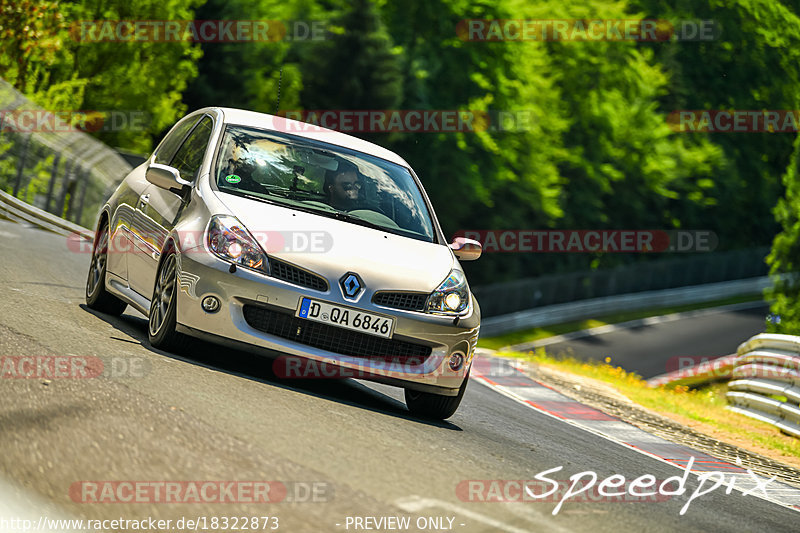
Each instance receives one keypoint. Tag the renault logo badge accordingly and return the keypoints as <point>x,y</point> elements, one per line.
<point>351,284</point>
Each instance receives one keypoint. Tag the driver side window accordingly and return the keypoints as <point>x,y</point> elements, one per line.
<point>173,141</point>
<point>190,155</point>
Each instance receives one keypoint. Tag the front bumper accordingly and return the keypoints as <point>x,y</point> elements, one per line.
<point>202,274</point>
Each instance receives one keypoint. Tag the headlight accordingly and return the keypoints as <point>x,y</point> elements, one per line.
<point>230,240</point>
<point>451,297</point>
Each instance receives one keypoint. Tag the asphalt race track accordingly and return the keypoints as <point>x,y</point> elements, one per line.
<point>343,449</point>
<point>654,349</point>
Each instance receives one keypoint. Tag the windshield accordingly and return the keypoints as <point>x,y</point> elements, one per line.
<point>324,179</point>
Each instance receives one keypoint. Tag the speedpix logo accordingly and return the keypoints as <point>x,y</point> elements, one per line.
<point>589,487</point>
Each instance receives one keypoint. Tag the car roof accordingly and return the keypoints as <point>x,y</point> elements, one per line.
<point>301,129</point>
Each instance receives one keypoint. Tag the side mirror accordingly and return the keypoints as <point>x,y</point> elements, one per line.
<point>466,249</point>
<point>166,177</point>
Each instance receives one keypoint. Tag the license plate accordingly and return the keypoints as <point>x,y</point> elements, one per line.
<point>346,317</point>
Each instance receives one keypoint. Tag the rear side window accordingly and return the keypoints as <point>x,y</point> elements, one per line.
<point>173,141</point>
<point>191,153</point>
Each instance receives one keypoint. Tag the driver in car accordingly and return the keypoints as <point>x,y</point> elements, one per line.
<point>342,187</point>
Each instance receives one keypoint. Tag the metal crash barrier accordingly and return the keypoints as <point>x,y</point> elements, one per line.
<point>53,167</point>
<point>765,382</point>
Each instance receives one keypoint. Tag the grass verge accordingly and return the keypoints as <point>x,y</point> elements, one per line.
<point>535,334</point>
<point>702,409</point>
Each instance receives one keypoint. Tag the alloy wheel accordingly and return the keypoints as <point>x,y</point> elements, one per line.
<point>163,295</point>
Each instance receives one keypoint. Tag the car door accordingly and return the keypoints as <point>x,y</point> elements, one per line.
<point>140,247</point>
<point>159,209</point>
<point>120,243</point>
<point>126,243</point>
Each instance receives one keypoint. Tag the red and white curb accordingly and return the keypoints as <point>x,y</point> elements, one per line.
<point>503,376</point>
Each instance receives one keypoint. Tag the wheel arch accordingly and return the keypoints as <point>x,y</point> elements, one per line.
<point>170,246</point>
<point>104,218</point>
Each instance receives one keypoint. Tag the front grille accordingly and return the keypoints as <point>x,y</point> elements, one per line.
<point>297,276</point>
<point>332,338</point>
<point>408,301</point>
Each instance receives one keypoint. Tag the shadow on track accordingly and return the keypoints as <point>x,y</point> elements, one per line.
<point>258,368</point>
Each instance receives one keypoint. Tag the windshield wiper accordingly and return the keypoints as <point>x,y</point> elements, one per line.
<point>347,217</point>
<point>238,192</point>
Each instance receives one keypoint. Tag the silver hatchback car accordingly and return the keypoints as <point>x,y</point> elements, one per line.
<point>304,244</point>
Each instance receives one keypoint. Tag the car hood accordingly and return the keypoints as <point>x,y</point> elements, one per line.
<point>331,247</point>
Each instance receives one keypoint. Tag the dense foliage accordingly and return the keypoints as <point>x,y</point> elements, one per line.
<point>45,55</point>
<point>597,150</point>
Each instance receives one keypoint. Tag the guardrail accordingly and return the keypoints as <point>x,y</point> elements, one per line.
<point>519,296</point>
<point>765,381</point>
<point>16,209</point>
<point>62,171</point>
<point>597,307</point>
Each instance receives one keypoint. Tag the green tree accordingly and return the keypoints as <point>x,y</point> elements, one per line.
<point>784,259</point>
<point>49,58</point>
<point>356,67</point>
<point>750,64</point>
<point>503,176</point>
<point>32,34</point>
<point>249,74</point>
<point>599,153</point>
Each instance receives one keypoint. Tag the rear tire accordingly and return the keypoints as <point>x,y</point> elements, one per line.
<point>435,406</point>
<point>97,297</point>
<point>163,307</point>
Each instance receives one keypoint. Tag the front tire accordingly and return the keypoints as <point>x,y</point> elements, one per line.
<point>435,406</point>
<point>163,307</point>
<point>97,297</point>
